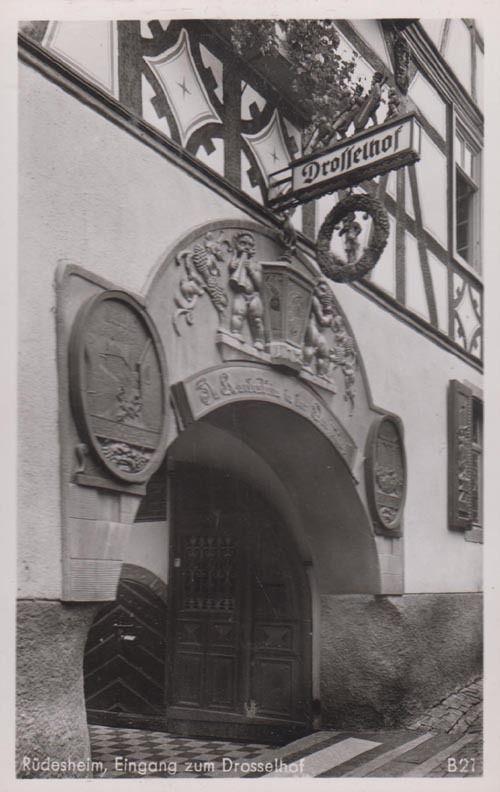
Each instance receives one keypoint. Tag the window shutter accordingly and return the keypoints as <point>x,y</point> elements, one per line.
<point>459,456</point>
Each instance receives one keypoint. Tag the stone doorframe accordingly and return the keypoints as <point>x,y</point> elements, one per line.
<point>206,404</point>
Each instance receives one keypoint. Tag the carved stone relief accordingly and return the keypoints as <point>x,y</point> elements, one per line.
<point>271,311</point>
<point>386,475</point>
<point>117,383</point>
<point>327,344</point>
<point>225,269</point>
<point>202,275</point>
<point>401,63</point>
<point>245,281</point>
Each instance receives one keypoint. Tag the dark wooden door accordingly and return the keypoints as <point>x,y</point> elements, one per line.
<point>240,615</point>
<point>124,661</point>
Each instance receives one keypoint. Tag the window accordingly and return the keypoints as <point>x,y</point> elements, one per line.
<point>467,203</point>
<point>465,198</point>
<point>465,460</point>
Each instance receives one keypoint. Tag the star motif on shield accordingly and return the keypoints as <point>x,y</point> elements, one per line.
<point>269,147</point>
<point>183,88</point>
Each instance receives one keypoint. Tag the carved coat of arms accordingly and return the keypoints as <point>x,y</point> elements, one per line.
<point>117,384</point>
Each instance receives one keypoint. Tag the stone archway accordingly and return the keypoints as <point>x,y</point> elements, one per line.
<point>285,457</point>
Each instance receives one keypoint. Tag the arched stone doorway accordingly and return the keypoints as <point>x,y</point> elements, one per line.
<point>264,479</point>
<point>273,453</point>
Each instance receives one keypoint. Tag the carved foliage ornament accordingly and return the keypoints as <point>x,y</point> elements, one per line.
<point>333,266</point>
<point>117,385</point>
<point>385,469</point>
<point>202,275</point>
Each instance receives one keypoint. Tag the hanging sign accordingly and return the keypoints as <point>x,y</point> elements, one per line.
<point>349,162</point>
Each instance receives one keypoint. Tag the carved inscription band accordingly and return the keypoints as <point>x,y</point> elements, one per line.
<point>214,388</point>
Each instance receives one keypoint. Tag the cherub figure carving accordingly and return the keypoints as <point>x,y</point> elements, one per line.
<point>343,356</point>
<point>317,353</point>
<point>245,281</point>
<point>327,341</point>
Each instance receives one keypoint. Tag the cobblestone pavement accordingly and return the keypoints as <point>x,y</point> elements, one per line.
<point>460,713</point>
<point>444,741</point>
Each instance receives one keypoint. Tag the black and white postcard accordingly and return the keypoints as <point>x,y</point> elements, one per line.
<point>248,285</point>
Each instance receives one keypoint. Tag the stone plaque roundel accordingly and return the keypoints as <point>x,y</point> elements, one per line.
<point>386,474</point>
<point>117,385</point>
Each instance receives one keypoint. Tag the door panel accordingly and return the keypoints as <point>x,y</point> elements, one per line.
<point>124,663</point>
<point>277,645</point>
<point>239,614</point>
<point>188,672</point>
<point>273,685</point>
<point>221,681</point>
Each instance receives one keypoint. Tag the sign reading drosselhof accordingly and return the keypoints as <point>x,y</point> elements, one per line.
<point>353,160</point>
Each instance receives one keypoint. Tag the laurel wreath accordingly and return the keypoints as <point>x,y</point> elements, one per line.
<point>333,266</point>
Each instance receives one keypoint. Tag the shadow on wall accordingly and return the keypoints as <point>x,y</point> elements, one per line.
<point>384,659</point>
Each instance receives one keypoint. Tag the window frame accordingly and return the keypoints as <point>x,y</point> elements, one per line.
<point>462,396</point>
<point>474,181</point>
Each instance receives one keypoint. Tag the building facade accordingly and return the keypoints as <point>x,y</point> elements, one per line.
<point>249,497</point>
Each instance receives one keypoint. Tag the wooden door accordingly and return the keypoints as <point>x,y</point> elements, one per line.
<point>124,661</point>
<point>240,619</point>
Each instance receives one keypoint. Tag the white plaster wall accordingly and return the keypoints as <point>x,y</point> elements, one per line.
<point>409,375</point>
<point>429,102</point>
<point>432,185</point>
<point>39,519</point>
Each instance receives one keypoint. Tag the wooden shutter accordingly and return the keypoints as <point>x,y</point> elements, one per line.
<point>459,456</point>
